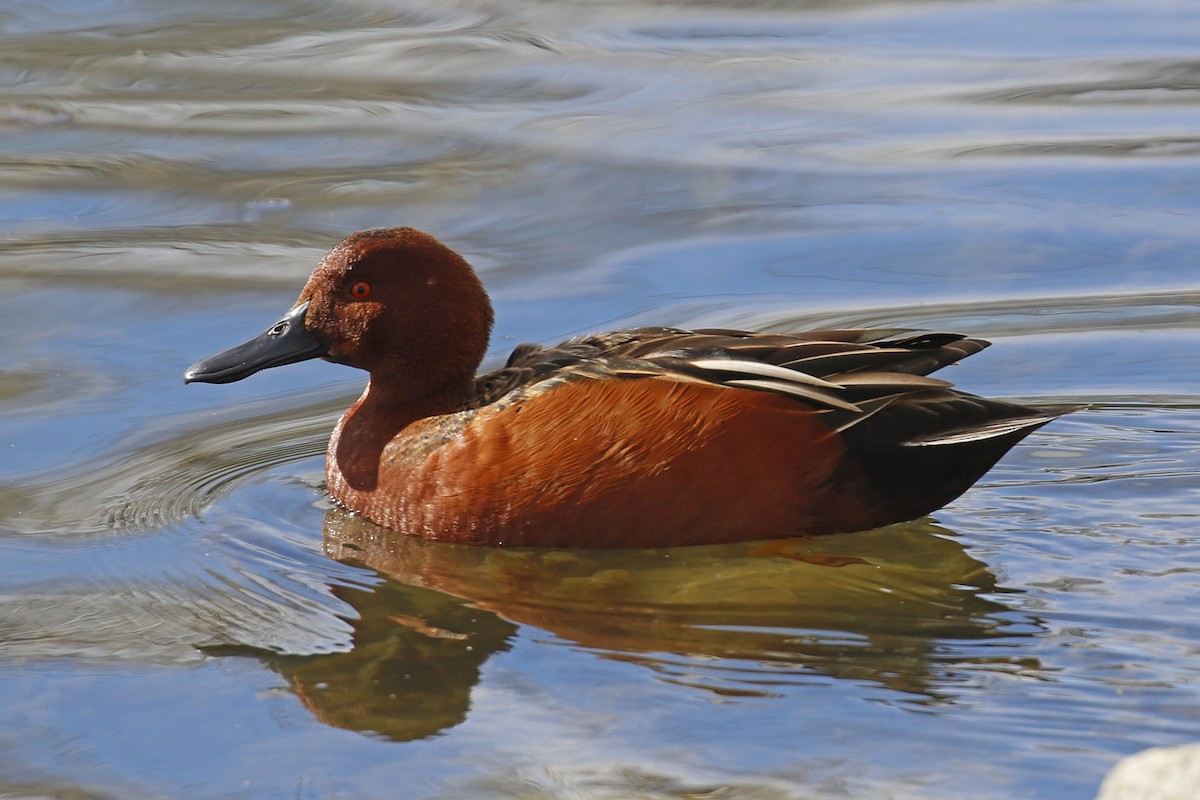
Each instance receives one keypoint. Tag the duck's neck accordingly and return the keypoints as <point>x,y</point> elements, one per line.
<point>377,418</point>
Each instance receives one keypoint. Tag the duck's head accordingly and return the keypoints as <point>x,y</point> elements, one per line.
<point>395,302</point>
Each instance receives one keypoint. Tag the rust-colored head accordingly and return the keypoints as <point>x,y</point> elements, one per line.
<point>395,302</point>
<point>401,305</point>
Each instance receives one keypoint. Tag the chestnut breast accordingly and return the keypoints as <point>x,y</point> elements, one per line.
<point>604,463</point>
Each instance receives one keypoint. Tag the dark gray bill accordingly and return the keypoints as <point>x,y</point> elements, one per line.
<point>286,342</point>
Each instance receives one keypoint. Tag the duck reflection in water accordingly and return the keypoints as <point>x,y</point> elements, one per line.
<point>641,438</point>
<point>734,620</point>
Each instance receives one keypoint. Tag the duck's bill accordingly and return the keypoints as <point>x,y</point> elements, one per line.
<point>285,342</point>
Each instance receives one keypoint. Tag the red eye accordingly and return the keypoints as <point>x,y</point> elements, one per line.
<point>360,290</point>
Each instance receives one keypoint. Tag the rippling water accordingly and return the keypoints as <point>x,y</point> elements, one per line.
<point>181,614</point>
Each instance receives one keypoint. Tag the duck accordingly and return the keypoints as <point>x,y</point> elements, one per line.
<point>645,437</point>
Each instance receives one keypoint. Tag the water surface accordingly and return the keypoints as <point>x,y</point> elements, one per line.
<point>182,614</point>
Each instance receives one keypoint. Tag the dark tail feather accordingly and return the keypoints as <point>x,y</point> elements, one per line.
<point>917,468</point>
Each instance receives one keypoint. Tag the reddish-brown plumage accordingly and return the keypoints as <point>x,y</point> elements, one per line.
<point>646,437</point>
<point>667,462</point>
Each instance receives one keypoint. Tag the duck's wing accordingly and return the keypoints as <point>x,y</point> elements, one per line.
<point>818,353</point>
<point>868,383</point>
<point>830,369</point>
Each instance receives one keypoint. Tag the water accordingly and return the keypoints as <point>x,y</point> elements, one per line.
<point>181,614</point>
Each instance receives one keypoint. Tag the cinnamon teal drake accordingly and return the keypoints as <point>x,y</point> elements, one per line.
<point>647,437</point>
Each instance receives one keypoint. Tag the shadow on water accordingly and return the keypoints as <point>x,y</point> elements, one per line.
<point>735,621</point>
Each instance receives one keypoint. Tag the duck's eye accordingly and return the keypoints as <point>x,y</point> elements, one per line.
<point>360,290</point>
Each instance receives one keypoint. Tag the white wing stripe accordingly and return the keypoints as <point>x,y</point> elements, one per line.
<point>796,390</point>
<point>761,369</point>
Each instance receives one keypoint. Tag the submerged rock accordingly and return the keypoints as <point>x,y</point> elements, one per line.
<point>1160,773</point>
